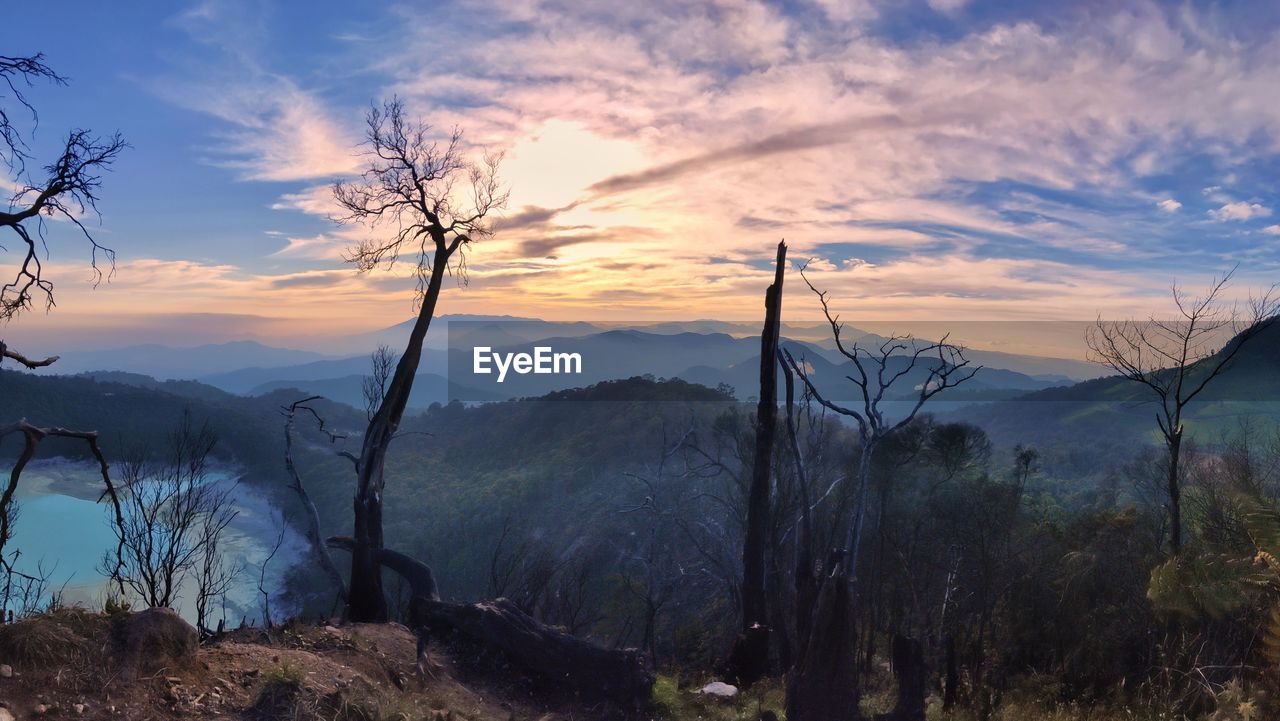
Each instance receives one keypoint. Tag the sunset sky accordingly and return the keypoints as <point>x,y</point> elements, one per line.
<point>940,159</point>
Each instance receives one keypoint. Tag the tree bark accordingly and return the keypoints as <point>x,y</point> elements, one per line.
<point>749,661</point>
<point>806,584</point>
<point>951,681</point>
<point>422,582</point>
<point>1174,441</point>
<point>823,686</point>
<point>366,601</point>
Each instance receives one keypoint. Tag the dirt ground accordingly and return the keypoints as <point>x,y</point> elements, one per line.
<point>60,665</point>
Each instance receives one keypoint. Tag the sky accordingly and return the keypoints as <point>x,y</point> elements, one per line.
<point>937,160</point>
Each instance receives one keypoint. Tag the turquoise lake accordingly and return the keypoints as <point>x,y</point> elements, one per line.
<point>64,533</point>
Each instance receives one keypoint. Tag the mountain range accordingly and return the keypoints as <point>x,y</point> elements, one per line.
<point>708,352</point>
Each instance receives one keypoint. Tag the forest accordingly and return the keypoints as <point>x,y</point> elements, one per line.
<point>644,547</point>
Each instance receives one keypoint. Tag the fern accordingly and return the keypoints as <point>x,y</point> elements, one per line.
<point>1211,585</point>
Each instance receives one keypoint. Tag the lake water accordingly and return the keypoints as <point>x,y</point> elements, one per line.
<point>62,529</point>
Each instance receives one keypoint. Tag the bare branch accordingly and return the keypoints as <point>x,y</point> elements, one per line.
<point>410,185</point>
<point>6,352</point>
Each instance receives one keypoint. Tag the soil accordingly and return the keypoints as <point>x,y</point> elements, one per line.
<point>61,666</point>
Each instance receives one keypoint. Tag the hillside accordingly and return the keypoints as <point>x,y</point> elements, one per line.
<point>73,663</point>
<point>1115,413</point>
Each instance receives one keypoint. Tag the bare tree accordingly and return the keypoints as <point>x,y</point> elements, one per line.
<point>281,525</point>
<point>374,385</point>
<point>410,186</point>
<point>824,684</point>
<point>314,538</point>
<point>216,571</point>
<point>749,661</point>
<point>1175,360</point>
<point>18,73</point>
<point>67,189</point>
<point>175,515</point>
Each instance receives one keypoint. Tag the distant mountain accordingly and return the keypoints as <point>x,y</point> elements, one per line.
<point>710,352</point>
<point>710,359</point>
<point>245,380</point>
<point>165,362</point>
<point>438,335</point>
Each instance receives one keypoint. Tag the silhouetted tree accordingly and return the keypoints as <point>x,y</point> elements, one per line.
<point>411,186</point>
<point>750,659</point>
<point>1176,360</point>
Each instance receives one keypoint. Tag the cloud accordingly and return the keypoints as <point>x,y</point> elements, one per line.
<point>1272,230</point>
<point>788,141</point>
<point>321,279</point>
<point>319,246</point>
<point>1239,210</point>
<point>995,163</point>
<point>549,246</point>
<point>273,128</point>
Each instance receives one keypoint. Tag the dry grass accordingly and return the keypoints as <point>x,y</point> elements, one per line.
<point>59,637</point>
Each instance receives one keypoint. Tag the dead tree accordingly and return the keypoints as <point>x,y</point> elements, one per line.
<point>824,684</point>
<point>318,547</point>
<point>1176,360</point>
<point>421,580</point>
<point>374,386</point>
<point>216,571</point>
<point>67,188</point>
<point>175,515</point>
<point>749,661</point>
<point>31,438</point>
<point>409,186</point>
<point>652,572</point>
<point>806,585</point>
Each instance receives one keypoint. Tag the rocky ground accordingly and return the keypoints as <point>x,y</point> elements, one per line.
<point>72,663</point>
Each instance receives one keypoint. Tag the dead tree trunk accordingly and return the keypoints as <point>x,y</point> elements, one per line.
<point>823,685</point>
<point>544,653</point>
<point>1174,443</point>
<point>365,598</point>
<point>806,584</point>
<point>912,675</point>
<point>408,183</point>
<point>749,661</point>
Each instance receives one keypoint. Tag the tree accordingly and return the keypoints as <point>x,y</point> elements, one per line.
<point>66,189</point>
<point>409,185</point>
<point>318,547</point>
<point>1175,360</point>
<point>374,386</point>
<point>823,685</point>
<point>750,659</point>
<point>175,517</point>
